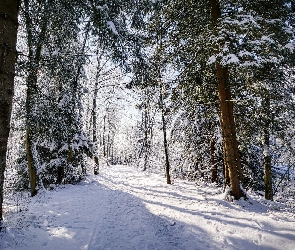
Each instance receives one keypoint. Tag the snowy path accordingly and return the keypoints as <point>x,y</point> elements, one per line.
<point>126,209</point>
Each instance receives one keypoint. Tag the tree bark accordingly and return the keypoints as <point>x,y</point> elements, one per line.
<point>230,146</point>
<point>29,141</point>
<point>94,128</point>
<point>266,153</point>
<point>226,180</point>
<point>229,141</point>
<point>213,161</point>
<point>108,145</point>
<point>30,159</point>
<point>267,176</point>
<point>103,136</point>
<point>8,56</point>
<point>145,142</point>
<point>96,166</point>
<point>167,163</point>
<point>94,119</point>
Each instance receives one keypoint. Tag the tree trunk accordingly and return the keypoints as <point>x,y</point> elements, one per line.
<point>229,141</point>
<point>266,153</point>
<point>226,179</point>
<point>108,145</point>
<point>60,174</point>
<point>34,62</point>
<point>167,163</point>
<point>213,161</point>
<point>94,121</point>
<point>8,55</point>
<point>145,142</point>
<point>267,175</point>
<point>230,146</point>
<point>31,83</point>
<point>103,136</point>
<point>30,159</point>
<point>96,166</point>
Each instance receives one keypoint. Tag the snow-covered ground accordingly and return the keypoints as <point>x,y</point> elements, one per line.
<point>123,208</point>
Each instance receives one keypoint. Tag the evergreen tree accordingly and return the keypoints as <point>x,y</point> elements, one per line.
<point>212,39</point>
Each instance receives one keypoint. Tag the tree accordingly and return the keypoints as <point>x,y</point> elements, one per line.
<point>264,76</point>
<point>213,39</point>
<point>52,41</point>
<point>59,19</point>
<point>230,145</point>
<point>163,111</point>
<point>146,126</point>
<point>35,45</point>
<point>8,56</point>
<point>269,91</point>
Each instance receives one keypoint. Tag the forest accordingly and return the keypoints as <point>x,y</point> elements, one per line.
<point>201,91</point>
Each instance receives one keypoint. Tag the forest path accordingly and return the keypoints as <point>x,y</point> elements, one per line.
<point>123,208</point>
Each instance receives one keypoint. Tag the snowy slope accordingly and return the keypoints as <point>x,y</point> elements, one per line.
<point>123,208</point>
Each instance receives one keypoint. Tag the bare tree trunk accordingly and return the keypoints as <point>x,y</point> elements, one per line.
<point>230,149</point>
<point>108,145</point>
<point>30,159</point>
<point>167,163</point>
<point>103,136</point>
<point>226,179</point>
<point>96,167</point>
<point>94,120</point>
<point>230,146</point>
<point>266,153</point>
<point>267,174</point>
<point>94,128</point>
<point>8,55</point>
<point>29,141</point>
<point>146,144</point>
<point>213,161</point>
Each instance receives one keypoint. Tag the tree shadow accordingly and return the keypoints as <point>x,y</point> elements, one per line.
<point>245,207</point>
<point>120,221</point>
<point>95,216</point>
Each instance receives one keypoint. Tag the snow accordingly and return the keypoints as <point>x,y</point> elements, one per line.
<point>124,208</point>
<point>267,39</point>
<point>112,27</point>
<point>211,60</point>
<point>231,58</point>
<point>226,59</point>
<point>290,46</point>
